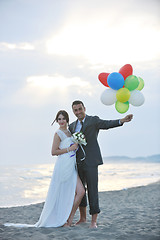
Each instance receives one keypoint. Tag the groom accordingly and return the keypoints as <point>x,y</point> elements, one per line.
<point>88,169</point>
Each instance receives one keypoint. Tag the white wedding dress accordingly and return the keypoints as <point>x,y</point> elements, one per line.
<point>61,193</point>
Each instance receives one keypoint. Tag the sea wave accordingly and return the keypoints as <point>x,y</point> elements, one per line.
<point>23,185</point>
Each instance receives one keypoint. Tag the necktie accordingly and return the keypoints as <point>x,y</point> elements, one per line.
<point>81,125</point>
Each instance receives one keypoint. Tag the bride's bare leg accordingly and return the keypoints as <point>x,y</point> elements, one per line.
<point>78,197</point>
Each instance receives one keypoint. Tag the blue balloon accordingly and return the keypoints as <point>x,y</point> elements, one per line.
<point>115,80</point>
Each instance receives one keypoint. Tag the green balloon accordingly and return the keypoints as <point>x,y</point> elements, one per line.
<point>122,107</point>
<point>141,84</point>
<point>131,82</point>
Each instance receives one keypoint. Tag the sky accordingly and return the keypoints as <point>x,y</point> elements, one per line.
<point>51,53</point>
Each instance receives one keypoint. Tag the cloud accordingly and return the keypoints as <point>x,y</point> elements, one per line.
<point>112,46</point>
<point>22,21</point>
<point>44,89</point>
<point>104,41</point>
<point>12,46</point>
<point>52,82</point>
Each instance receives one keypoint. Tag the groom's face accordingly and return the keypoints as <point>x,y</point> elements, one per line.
<point>79,111</point>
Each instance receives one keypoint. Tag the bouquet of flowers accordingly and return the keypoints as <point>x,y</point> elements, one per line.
<point>78,137</point>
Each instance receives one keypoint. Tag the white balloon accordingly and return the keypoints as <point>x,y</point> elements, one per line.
<point>108,97</point>
<point>136,98</point>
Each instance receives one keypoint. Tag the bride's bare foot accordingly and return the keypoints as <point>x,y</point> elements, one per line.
<point>66,225</point>
<point>80,221</point>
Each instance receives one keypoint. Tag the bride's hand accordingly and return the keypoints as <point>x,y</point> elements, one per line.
<point>73,147</point>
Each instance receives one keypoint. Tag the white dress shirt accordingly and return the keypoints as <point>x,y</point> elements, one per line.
<point>79,125</point>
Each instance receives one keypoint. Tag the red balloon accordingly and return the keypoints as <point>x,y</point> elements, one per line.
<point>126,70</point>
<point>103,78</point>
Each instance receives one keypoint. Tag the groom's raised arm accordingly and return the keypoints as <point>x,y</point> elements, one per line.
<point>106,124</point>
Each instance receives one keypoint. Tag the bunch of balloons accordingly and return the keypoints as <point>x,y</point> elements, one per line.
<point>123,89</point>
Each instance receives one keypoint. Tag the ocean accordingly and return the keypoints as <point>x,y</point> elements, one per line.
<point>28,184</point>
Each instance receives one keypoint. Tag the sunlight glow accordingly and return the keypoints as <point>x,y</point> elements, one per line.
<point>102,43</point>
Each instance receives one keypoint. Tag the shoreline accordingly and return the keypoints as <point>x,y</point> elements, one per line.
<point>124,189</point>
<point>125,214</point>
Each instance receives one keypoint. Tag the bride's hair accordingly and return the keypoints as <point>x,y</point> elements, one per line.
<point>65,115</point>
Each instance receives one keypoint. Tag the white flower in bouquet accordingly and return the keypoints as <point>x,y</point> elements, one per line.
<point>78,137</point>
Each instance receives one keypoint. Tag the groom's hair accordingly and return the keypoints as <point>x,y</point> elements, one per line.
<point>76,102</point>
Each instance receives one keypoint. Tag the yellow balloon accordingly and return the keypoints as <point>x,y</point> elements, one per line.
<point>123,95</point>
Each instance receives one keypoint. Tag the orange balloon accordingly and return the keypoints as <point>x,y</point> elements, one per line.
<point>126,70</point>
<point>103,78</point>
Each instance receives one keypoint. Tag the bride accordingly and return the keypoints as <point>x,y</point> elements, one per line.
<point>66,190</point>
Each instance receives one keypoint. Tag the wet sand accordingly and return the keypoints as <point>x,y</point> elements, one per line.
<point>132,214</point>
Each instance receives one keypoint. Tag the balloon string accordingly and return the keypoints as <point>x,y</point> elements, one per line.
<point>83,153</point>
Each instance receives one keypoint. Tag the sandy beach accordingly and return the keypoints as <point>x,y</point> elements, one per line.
<point>132,214</point>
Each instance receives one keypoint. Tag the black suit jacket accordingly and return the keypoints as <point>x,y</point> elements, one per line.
<point>91,127</point>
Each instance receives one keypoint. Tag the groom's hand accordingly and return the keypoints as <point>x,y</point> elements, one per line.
<point>127,118</point>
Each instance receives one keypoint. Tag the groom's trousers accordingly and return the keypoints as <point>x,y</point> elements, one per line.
<point>89,178</point>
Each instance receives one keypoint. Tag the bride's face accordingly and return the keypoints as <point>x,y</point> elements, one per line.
<point>62,121</point>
